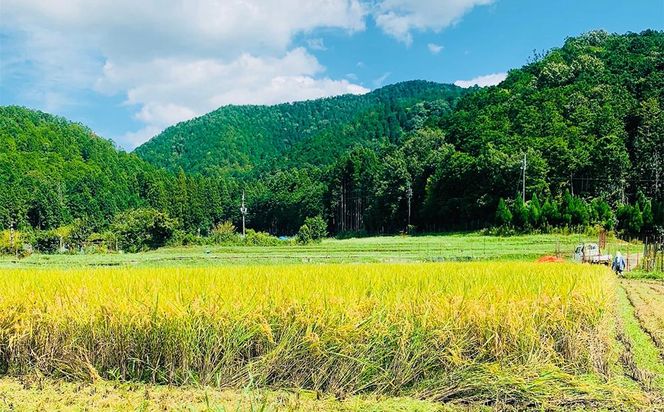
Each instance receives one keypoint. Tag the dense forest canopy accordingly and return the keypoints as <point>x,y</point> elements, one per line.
<point>587,117</point>
<point>241,138</point>
<point>53,172</point>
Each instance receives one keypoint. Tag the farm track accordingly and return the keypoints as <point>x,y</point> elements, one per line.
<point>640,331</point>
<point>647,297</point>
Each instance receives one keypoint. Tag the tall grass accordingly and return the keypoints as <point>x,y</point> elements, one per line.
<point>439,331</point>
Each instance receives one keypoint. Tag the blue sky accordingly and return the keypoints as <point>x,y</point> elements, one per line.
<point>129,69</point>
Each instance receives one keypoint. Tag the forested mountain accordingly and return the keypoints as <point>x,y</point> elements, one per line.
<point>587,117</point>
<point>53,172</point>
<point>241,138</point>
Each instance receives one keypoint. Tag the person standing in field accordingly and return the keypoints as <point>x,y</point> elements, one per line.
<point>618,264</point>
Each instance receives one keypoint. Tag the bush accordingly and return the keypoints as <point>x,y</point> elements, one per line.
<point>630,220</point>
<point>143,229</point>
<point>96,243</point>
<point>550,213</point>
<point>352,234</point>
<point>520,214</point>
<point>314,229</point>
<point>304,235</point>
<point>254,238</point>
<point>535,212</point>
<point>47,241</point>
<point>18,246</point>
<point>224,233</point>
<point>78,233</point>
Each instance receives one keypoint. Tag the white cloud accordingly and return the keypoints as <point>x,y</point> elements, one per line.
<point>399,18</point>
<point>434,48</point>
<point>131,140</point>
<point>152,28</point>
<point>482,81</point>
<point>316,44</point>
<point>379,81</point>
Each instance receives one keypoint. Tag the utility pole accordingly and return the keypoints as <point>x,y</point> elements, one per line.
<point>523,178</point>
<point>409,195</point>
<point>11,237</point>
<point>243,210</point>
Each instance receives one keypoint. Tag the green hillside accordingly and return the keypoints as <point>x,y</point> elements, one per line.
<point>240,138</point>
<point>587,116</point>
<point>53,172</point>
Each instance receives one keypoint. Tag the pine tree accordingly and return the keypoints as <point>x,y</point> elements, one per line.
<point>503,214</point>
<point>520,214</point>
<point>550,213</point>
<point>535,212</point>
<point>636,221</point>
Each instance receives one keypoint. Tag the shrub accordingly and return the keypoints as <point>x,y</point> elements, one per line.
<point>254,238</point>
<point>630,220</point>
<point>143,229</point>
<point>352,234</point>
<point>96,243</point>
<point>314,229</point>
<point>535,212</point>
<point>520,213</point>
<point>78,233</point>
<point>224,232</point>
<point>18,246</point>
<point>47,241</point>
<point>602,214</point>
<point>304,235</point>
<point>550,213</point>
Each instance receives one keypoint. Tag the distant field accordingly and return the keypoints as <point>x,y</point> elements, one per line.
<point>454,247</point>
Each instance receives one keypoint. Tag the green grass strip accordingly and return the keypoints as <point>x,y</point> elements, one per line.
<point>645,353</point>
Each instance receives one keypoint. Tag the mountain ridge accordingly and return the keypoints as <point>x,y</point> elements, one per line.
<point>238,138</point>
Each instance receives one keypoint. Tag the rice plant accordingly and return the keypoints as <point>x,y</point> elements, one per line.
<point>510,332</point>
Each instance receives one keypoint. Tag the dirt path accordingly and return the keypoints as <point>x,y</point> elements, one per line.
<point>640,330</point>
<point>647,297</point>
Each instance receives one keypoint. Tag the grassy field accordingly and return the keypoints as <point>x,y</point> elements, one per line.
<point>455,247</point>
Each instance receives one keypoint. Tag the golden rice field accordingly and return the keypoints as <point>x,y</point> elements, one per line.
<point>481,333</point>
